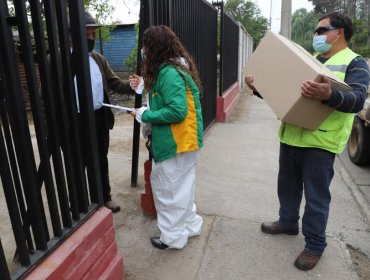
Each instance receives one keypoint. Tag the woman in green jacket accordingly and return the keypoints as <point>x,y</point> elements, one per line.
<point>174,112</point>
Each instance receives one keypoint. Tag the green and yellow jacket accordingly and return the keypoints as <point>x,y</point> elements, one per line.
<point>175,114</point>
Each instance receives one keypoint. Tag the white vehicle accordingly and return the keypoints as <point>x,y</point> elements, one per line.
<point>358,146</point>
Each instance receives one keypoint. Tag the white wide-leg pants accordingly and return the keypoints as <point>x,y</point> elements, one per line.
<point>173,183</point>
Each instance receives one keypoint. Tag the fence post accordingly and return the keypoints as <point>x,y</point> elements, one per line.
<point>4,272</point>
<point>146,19</point>
<point>221,74</point>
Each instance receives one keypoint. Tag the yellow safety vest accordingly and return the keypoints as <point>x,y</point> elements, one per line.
<point>332,135</point>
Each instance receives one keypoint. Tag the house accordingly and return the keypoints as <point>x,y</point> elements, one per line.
<point>122,40</point>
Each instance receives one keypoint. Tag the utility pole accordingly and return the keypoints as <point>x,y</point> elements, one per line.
<point>286,18</point>
<point>270,13</point>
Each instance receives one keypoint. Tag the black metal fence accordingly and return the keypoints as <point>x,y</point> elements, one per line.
<point>230,52</point>
<point>47,190</point>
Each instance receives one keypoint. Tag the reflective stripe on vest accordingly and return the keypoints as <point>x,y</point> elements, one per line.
<point>332,135</point>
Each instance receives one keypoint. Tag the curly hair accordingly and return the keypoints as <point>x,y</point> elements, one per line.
<point>162,46</point>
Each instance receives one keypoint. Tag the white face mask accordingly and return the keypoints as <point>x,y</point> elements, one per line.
<point>143,56</point>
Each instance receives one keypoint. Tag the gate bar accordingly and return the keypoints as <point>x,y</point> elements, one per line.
<point>20,128</point>
<point>79,42</point>
<point>44,172</point>
<point>65,50</point>
<point>3,266</point>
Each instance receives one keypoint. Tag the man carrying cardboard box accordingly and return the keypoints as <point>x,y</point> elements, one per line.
<point>307,157</point>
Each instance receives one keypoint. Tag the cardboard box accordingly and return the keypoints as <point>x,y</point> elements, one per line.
<point>279,67</point>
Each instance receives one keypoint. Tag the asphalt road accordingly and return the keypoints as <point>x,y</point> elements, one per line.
<point>359,174</point>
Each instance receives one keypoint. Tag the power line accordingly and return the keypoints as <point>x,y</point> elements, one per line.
<point>130,11</point>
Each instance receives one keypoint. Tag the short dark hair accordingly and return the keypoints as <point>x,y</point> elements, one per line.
<point>339,20</point>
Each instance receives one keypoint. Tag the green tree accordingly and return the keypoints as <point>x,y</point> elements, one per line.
<point>359,12</point>
<point>249,15</point>
<point>102,10</point>
<point>324,6</point>
<point>361,37</point>
<point>303,26</point>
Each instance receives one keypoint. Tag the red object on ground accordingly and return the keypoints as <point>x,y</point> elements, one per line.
<point>89,253</point>
<point>147,201</point>
<point>227,102</point>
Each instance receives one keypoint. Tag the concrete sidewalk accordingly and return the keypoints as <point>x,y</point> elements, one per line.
<point>235,193</point>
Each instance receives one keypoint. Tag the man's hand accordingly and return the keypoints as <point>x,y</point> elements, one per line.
<point>249,81</point>
<point>134,81</point>
<point>317,90</point>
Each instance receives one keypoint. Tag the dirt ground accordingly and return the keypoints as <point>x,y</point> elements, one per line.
<point>120,161</point>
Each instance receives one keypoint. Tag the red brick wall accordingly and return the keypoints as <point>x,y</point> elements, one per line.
<point>24,85</point>
<point>227,102</point>
<point>90,253</point>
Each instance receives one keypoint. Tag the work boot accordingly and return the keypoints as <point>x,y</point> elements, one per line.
<point>114,207</point>
<point>306,261</point>
<point>277,228</point>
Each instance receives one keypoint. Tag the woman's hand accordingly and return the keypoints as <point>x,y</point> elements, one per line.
<point>133,113</point>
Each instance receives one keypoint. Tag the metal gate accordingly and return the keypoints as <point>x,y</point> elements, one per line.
<point>47,190</point>
<point>195,23</point>
<point>229,53</point>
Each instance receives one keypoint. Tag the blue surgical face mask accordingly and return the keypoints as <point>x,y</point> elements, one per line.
<point>143,56</point>
<point>319,44</point>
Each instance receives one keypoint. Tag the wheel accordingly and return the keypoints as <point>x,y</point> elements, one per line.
<point>359,143</point>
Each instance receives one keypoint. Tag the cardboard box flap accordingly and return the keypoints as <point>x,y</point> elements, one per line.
<point>339,85</point>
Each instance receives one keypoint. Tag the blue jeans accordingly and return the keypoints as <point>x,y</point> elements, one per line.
<point>309,170</point>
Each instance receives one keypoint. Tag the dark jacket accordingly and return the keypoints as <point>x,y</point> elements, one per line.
<point>110,82</point>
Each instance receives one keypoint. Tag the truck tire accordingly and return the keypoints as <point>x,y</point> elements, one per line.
<point>358,146</point>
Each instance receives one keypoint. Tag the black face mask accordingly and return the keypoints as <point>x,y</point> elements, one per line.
<point>90,44</point>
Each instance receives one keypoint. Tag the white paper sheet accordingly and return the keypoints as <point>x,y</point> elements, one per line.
<point>126,109</point>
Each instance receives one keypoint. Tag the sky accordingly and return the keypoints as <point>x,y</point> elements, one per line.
<point>264,6</point>
<point>127,11</point>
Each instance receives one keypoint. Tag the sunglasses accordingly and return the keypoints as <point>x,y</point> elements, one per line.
<point>321,30</point>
